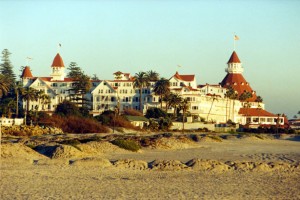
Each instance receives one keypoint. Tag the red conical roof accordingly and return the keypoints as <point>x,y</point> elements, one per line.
<point>239,84</point>
<point>234,58</point>
<point>58,61</point>
<point>26,73</point>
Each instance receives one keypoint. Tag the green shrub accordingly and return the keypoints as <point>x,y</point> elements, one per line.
<point>155,113</point>
<point>127,144</point>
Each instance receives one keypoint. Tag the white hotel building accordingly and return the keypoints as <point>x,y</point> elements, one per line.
<point>205,101</point>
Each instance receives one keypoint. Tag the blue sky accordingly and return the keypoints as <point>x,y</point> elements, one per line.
<point>131,36</point>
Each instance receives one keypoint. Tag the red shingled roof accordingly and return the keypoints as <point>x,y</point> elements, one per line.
<point>26,73</point>
<point>58,61</point>
<point>184,77</point>
<point>49,79</point>
<point>234,58</point>
<point>255,112</point>
<point>239,84</point>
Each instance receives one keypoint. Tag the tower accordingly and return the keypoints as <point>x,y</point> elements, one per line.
<point>235,78</point>
<point>58,67</point>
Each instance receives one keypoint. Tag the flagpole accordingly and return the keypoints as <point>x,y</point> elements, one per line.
<point>234,42</point>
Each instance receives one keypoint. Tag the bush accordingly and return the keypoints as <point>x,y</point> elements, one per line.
<point>108,118</point>
<point>155,113</point>
<point>132,112</point>
<point>75,124</point>
<point>127,144</point>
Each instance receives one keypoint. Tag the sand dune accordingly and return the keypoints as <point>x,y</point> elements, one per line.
<point>243,168</point>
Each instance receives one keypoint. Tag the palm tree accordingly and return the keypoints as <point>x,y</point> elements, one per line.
<point>213,98</point>
<point>162,88</point>
<point>44,99</point>
<point>141,80</point>
<point>4,85</point>
<point>30,94</point>
<point>153,75</point>
<point>259,99</point>
<point>183,105</point>
<point>228,95</point>
<point>174,101</point>
<point>19,90</point>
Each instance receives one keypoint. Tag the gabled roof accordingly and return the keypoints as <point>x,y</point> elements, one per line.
<point>26,73</point>
<point>234,58</point>
<point>136,118</point>
<point>49,79</point>
<point>255,112</point>
<point>184,77</point>
<point>58,61</point>
<point>239,84</point>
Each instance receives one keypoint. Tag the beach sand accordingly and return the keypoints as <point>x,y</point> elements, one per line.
<point>246,168</point>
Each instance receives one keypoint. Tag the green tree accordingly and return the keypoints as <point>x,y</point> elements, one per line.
<point>81,85</point>
<point>44,99</point>
<point>141,81</point>
<point>230,93</point>
<point>174,101</point>
<point>155,113</point>
<point>162,88</point>
<point>213,99</point>
<point>18,91</point>
<point>95,77</point>
<point>4,85</point>
<point>67,108</point>
<point>153,75</point>
<point>245,96</point>
<point>74,71</point>
<point>184,106</point>
<point>6,68</point>
<point>259,99</point>
<point>30,94</point>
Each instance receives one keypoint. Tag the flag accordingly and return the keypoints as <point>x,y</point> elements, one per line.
<point>59,44</point>
<point>236,37</point>
<point>28,58</point>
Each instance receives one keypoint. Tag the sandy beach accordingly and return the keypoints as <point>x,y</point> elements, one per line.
<point>234,168</point>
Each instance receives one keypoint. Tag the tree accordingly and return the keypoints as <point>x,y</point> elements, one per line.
<point>245,96</point>
<point>213,99</point>
<point>74,71</point>
<point>152,75</point>
<point>229,95</point>
<point>155,113</point>
<point>141,80</point>
<point>67,108</point>
<point>18,90</point>
<point>30,94</point>
<point>81,83</point>
<point>7,105</point>
<point>4,85</point>
<point>174,101</point>
<point>259,99</point>
<point>44,99</point>
<point>95,77</point>
<point>183,105</point>
<point>162,88</point>
<point>6,68</point>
